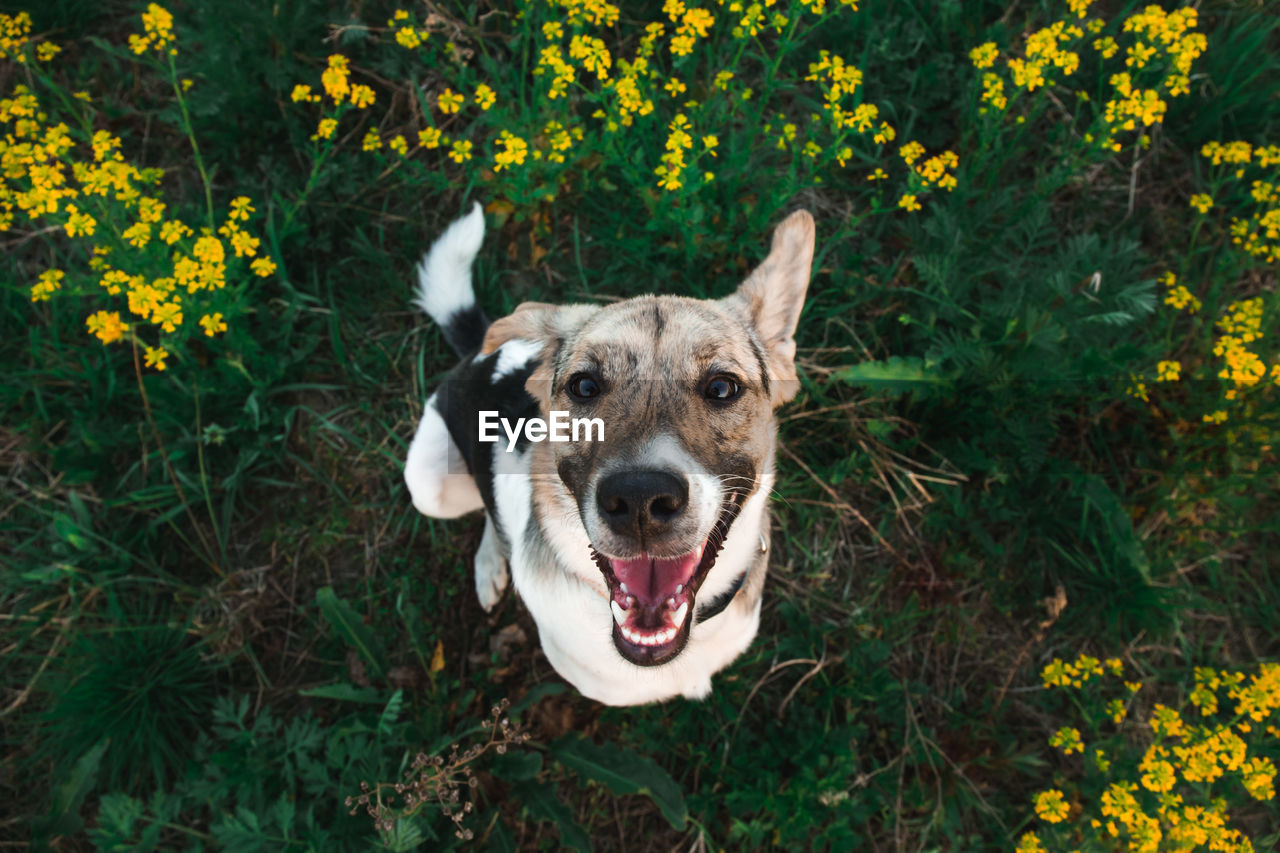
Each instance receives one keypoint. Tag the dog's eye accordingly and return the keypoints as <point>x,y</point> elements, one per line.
<point>583,386</point>
<point>722,388</point>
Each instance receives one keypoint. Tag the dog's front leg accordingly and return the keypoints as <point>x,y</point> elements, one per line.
<point>491,567</point>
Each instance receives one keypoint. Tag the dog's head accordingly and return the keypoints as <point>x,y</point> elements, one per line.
<point>685,390</point>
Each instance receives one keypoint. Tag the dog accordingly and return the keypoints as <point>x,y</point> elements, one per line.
<point>641,548</point>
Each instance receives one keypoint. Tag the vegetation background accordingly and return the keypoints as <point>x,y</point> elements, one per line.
<point>1031,474</point>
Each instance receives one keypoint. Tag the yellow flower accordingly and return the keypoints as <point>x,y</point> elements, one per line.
<point>430,137</point>
<point>1168,371</point>
<point>210,250</point>
<point>485,96</point>
<point>1068,739</point>
<point>908,202</point>
<point>984,55</point>
<point>157,24</point>
<point>173,231</point>
<point>335,78</point>
<point>1051,806</point>
<point>300,93</point>
<point>138,234</point>
<point>362,96</point>
<point>1259,778</point>
<point>911,152</point>
<point>1202,202</point>
<point>1166,722</point>
<point>460,151</point>
<point>674,87</point>
<point>1029,842</point>
<point>213,323</point>
<point>46,51</point>
<point>168,316</point>
<point>241,207</point>
<point>878,175</point>
<point>450,101</point>
<point>150,210</point>
<point>682,45</point>
<point>262,267</point>
<point>79,223</point>
<point>47,283</point>
<point>155,357</point>
<point>106,325</point>
<point>327,126</point>
<point>399,145</point>
<point>409,37</point>
<point>244,245</point>
<point>514,150</point>
<point>371,141</point>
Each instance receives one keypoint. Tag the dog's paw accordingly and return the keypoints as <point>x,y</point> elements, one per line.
<point>492,578</point>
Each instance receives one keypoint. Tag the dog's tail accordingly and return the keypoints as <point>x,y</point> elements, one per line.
<point>444,283</point>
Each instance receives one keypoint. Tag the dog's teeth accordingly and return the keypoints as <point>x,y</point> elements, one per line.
<point>679,588</point>
<point>681,612</point>
<point>624,589</point>
<point>631,601</point>
<point>619,615</point>
<point>671,602</point>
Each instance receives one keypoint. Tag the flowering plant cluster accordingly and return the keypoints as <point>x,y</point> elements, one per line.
<point>1244,180</point>
<point>154,278</point>
<point>1161,779</point>
<point>1158,50</point>
<point>657,104</point>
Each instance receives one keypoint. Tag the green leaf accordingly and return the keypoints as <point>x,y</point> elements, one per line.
<point>352,629</point>
<point>896,375</point>
<point>623,771</point>
<point>541,803</point>
<point>64,817</point>
<point>346,693</point>
<point>405,835</point>
<point>390,713</point>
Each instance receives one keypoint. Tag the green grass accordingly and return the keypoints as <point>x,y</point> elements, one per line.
<point>962,453</point>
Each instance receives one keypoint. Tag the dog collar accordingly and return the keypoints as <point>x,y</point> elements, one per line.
<point>718,604</point>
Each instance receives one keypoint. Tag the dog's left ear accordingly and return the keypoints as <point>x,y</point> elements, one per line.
<point>773,295</point>
<point>531,321</point>
<point>540,323</point>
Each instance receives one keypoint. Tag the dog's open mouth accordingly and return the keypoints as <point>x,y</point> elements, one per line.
<point>652,598</point>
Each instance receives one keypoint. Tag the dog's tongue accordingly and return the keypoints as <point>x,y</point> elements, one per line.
<point>653,579</point>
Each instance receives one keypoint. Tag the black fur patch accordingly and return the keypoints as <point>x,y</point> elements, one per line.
<point>469,389</point>
<point>465,328</point>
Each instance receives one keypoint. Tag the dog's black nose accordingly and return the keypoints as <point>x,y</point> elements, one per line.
<point>641,504</point>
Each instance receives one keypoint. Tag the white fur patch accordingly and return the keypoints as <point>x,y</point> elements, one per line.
<point>513,355</point>
<point>444,275</point>
<point>435,471</point>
